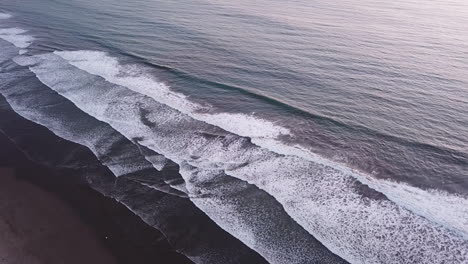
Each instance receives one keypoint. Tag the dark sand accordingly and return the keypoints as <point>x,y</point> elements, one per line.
<point>37,227</point>
<point>51,216</point>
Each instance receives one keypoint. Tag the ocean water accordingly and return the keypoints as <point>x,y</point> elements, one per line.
<point>258,131</point>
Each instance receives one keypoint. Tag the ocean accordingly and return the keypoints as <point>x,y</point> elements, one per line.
<point>255,131</point>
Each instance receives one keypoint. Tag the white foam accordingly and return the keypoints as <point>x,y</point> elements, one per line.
<point>16,37</point>
<point>5,16</point>
<point>12,31</point>
<point>158,161</point>
<point>322,198</point>
<point>100,63</point>
<point>238,208</point>
<point>449,210</point>
<point>327,204</point>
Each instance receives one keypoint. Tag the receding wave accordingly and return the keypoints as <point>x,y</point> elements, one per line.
<point>321,197</point>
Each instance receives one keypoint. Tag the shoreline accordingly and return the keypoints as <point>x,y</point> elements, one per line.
<point>37,227</point>
<point>119,235</point>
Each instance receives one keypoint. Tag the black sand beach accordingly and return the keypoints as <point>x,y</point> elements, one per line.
<point>51,216</point>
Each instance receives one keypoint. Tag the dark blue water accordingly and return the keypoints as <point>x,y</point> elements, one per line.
<point>343,126</point>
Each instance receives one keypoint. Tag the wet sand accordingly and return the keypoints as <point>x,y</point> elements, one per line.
<point>37,227</point>
<point>52,216</point>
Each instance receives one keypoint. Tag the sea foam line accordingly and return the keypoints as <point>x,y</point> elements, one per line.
<point>450,210</point>
<point>101,64</point>
<point>5,16</point>
<point>16,37</point>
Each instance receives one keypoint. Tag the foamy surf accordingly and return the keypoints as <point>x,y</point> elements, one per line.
<point>134,78</point>
<point>323,199</point>
<point>264,134</point>
<point>449,210</point>
<point>238,208</point>
<point>16,37</point>
<point>5,16</point>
